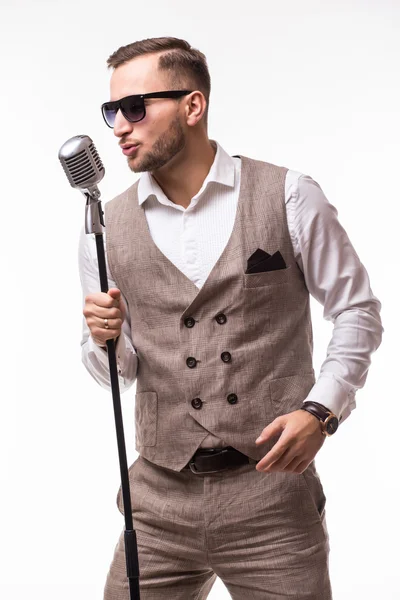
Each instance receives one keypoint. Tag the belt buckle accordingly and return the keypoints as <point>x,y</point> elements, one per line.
<point>192,465</point>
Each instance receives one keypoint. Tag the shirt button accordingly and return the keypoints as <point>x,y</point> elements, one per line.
<point>232,398</point>
<point>191,362</point>
<point>226,356</point>
<point>189,322</point>
<point>220,318</point>
<point>197,403</point>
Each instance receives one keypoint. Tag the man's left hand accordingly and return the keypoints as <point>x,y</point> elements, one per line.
<point>301,438</point>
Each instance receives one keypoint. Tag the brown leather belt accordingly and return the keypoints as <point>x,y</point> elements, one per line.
<point>212,460</point>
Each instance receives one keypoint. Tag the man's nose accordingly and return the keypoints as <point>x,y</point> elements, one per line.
<point>121,125</point>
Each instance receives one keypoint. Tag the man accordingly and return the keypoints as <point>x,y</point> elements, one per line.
<point>211,261</point>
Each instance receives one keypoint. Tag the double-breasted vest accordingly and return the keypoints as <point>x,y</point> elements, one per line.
<point>226,359</point>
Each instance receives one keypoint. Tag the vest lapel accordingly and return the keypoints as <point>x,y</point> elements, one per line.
<point>194,296</point>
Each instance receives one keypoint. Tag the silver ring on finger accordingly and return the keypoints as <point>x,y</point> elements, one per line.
<point>106,326</point>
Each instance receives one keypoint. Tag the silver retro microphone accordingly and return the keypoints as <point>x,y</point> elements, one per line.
<point>84,170</point>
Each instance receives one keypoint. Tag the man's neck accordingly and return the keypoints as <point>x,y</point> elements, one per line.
<point>180,182</point>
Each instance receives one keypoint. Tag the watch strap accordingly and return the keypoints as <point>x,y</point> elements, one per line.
<point>319,410</point>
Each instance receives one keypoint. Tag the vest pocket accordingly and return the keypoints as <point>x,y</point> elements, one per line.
<point>252,280</point>
<point>287,393</point>
<point>146,418</point>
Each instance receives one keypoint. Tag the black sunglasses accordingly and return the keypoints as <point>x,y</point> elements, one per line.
<point>133,107</point>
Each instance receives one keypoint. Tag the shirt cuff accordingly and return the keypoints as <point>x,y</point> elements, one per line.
<point>334,395</point>
<point>102,353</point>
<point>121,353</point>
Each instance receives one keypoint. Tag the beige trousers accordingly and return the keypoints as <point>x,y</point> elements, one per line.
<point>263,534</point>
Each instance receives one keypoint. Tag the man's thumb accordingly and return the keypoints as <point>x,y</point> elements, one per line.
<point>114,293</point>
<point>271,430</point>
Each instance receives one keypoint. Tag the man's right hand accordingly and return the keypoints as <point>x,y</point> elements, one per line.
<point>104,305</point>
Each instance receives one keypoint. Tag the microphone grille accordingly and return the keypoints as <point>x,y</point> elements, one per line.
<point>81,162</point>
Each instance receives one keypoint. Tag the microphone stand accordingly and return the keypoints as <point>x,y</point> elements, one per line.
<point>93,224</point>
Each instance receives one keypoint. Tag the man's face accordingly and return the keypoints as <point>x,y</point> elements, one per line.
<point>160,135</point>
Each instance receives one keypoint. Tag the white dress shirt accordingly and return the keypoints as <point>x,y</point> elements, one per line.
<point>193,239</point>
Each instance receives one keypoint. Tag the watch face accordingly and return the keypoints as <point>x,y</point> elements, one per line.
<point>332,425</point>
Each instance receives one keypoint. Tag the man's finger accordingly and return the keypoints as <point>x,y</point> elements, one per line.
<point>295,464</point>
<point>283,463</point>
<point>273,455</point>
<point>274,428</point>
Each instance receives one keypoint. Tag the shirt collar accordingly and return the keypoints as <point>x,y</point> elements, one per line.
<point>222,172</point>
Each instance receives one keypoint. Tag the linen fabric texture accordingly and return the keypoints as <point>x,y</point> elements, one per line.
<point>267,332</point>
<point>263,534</point>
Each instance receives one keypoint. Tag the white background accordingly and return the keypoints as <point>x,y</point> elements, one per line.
<point>310,85</point>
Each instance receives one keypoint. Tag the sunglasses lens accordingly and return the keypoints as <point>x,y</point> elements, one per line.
<point>109,115</point>
<point>132,109</point>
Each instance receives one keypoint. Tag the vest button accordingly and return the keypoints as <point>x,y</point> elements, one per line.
<point>226,356</point>
<point>220,318</point>
<point>191,362</point>
<point>232,398</point>
<point>189,322</point>
<point>197,403</point>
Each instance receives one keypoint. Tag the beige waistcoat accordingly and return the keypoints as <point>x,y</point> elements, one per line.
<point>182,404</point>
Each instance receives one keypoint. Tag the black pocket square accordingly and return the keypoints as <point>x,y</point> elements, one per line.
<point>260,261</point>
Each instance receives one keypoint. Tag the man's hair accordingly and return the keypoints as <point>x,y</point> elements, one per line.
<point>186,67</point>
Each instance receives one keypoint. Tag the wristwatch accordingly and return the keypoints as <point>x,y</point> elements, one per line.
<point>329,421</point>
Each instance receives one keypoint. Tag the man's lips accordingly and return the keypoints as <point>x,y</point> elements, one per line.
<point>129,150</point>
